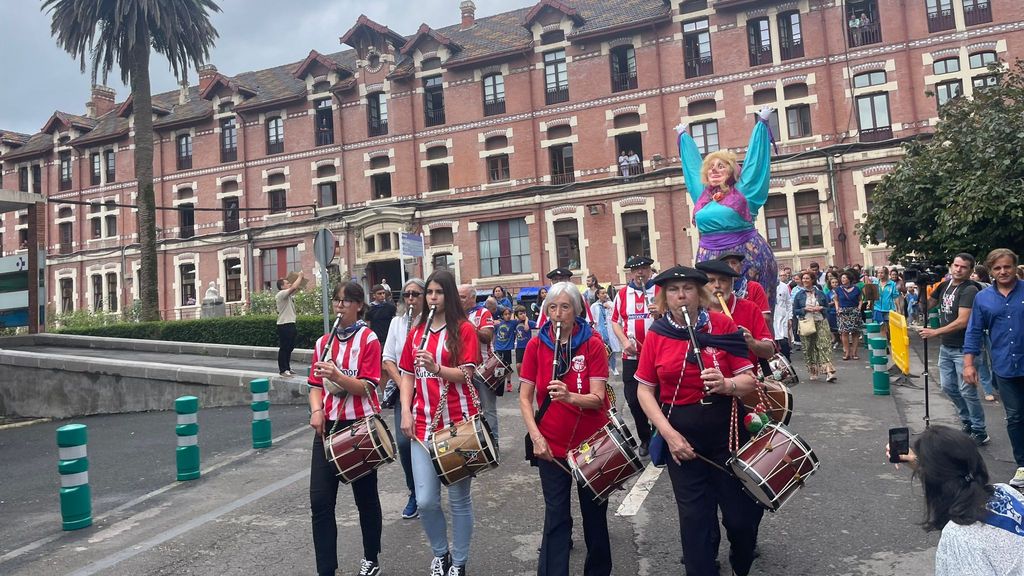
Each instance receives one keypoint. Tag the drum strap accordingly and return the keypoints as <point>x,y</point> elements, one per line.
<point>444,400</point>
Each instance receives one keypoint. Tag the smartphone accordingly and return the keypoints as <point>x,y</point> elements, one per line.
<point>899,443</point>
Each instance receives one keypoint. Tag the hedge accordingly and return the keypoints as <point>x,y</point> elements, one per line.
<point>235,330</point>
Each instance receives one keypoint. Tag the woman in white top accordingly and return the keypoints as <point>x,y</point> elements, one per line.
<point>412,299</point>
<point>982,524</point>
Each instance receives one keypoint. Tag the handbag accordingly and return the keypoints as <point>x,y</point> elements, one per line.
<point>806,327</point>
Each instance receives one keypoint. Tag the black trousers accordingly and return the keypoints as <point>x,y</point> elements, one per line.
<point>323,497</point>
<point>629,384</point>
<point>701,489</point>
<point>554,547</point>
<point>286,334</point>
<point>784,347</point>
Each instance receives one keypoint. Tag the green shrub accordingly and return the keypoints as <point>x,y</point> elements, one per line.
<point>235,330</point>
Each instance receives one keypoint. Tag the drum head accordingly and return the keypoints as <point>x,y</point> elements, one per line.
<point>483,432</point>
<point>382,438</point>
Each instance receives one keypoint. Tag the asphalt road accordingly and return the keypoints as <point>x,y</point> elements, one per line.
<point>249,512</point>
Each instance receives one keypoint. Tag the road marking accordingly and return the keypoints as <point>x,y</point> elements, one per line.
<point>131,503</point>
<point>147,545</point>
<point>638,493</point>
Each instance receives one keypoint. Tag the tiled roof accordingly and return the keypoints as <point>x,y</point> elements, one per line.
<point>195,108</point>
<point>36,144</point>
<point>427,31</point>
<point>108,127</point>
<point>16,138</point>
<point>600,15</point>
<point>272,85</point>
<point>69,120</point>
<point>498,34</point>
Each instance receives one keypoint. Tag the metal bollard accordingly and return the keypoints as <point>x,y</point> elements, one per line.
<point>260,389</point>
<point>75,494</point>
<point>879,366</point>
<point>187,430</point>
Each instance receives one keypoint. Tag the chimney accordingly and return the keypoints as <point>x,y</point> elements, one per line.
<point>101,102</point>
<point>468,9</point>
<point>206,75</point>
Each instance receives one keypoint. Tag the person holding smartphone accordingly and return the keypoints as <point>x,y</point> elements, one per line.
<point>982,524</point>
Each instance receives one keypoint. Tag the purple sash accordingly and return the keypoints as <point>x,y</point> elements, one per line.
<point>732,199</point>
<point>724,240</point>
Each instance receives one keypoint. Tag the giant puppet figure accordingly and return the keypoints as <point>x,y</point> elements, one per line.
<point>726,202</point>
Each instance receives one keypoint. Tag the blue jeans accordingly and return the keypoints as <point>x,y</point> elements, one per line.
<point>489,406</point>
<point>963,395</point>
<point>984,368</point>
<point>404,450</point>
<point>428,498</point>
<point>1011,390</point>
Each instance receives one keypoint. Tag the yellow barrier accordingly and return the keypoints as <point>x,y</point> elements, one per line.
<point>899,341</point>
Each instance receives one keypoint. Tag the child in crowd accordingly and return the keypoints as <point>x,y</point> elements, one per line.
<point>505,342</point>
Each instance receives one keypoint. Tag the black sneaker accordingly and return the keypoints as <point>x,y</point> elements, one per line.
<point>457,571</point>
<point>368,568</point>
<point>642,451</point>
<point>981,438</point>
<point>440,565</point>
<point>966,428</point>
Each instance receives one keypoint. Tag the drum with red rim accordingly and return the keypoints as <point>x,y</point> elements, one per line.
<point>491,373</point>
<point>773,465</point>
<point>779,400</point>
<point>361,448</point>
<point>606,460</point>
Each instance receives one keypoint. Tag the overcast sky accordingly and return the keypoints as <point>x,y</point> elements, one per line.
<point>39,77</point>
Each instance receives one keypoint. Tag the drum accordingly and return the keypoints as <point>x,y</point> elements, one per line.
<point>463,450</point>
<point>779,404</point>
<point>360,448</point>
<point>605,461</point>
<point>782,371</point>
<point>491,373</point>
<point>773,465</point>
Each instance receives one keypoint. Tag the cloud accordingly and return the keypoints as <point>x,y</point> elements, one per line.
<point>254,34</point>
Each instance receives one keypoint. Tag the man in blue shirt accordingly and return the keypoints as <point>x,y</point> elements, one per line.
<point>999,309</point>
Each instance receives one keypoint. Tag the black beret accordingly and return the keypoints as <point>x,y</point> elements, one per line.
<point>717,267</point>
<point>638,262</point>
<point>559,272</point>
<point>680,273</point>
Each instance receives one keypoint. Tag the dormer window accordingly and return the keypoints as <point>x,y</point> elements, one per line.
<point>430,64</point>
<point>321,86</point>
<point>552,37</point>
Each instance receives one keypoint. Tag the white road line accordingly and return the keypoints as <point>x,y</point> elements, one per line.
<point>46,540</point>
<point>638,493</point>
<point>136,549</point>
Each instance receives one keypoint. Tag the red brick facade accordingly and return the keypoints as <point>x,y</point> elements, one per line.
<point>819,178</point>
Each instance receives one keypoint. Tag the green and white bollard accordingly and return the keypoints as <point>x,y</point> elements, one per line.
<point>879,366</point>
<point>187,431</point>
<point>75,495</point>
<point>872,330</point>
<point>260,389</point>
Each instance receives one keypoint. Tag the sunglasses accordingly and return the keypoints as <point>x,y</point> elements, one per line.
<point>411,294</point>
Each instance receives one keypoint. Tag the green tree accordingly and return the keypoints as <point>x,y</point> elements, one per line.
<point>962,189</point>
<point>122,33</point>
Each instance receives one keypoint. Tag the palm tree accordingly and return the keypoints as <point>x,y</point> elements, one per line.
<point>122,32</point>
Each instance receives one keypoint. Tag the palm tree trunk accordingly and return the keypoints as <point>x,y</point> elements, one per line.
<point>148,280</point>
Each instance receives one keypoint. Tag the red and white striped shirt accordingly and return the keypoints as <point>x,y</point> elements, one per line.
<point>427,387</point>
<point>482,318</point>
<point>357,356</point>
<point>631,312</point>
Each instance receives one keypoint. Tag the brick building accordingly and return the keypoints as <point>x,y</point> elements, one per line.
<point>499,139</point>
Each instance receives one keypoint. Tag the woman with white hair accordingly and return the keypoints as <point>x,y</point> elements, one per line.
<point>565,370</point>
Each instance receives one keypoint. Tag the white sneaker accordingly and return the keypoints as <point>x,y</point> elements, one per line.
<point>1018,479</point>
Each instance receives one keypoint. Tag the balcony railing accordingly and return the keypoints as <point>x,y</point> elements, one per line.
<point>231,225</point>
<point>629,170</point>
<point>184,162</point>
<point>978,14</point>
<point>699,66</point>
<point>324,137</point>
<point>790,50</point>
<point>941,20</point>
<point>377,127</point>
<point>94,179</point>
<point>228,154</point>
<point>187,231</point>
<point>870,33</point>
<point>556,95</point>
<point>624,81</point>
<point>494,108</point>
<point>876,134</point>
<point>275,147</point>
<point>563,178</point>
<point>434,117</point>
<point>65,247</point>
<point>760,55</point>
